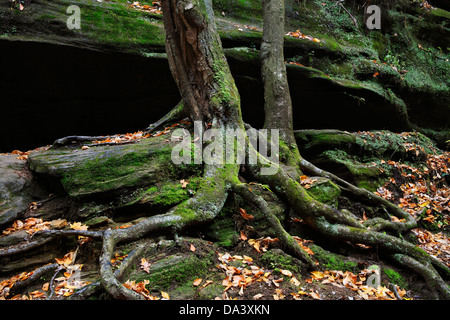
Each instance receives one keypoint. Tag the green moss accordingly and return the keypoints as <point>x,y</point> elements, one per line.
<point>440,13</point>
<point>365,176</point>
<point>243,54</point>
<point>332,261</point>
<point>241,10</point>
<point>170,193</point>
<point>276,259</point>
<point>173,270</point>
<point>102,174</point>
<point>117,24</point>
<point>395,278</point>
<point>326,192</point>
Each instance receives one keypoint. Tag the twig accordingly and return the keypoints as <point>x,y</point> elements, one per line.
<point>351,16</point>
<point>52,290</point>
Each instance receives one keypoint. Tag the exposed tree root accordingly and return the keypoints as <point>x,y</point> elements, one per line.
<point>434,281</point>
<point>203,208</point>
<point>75,139</point>
<point>286,239</point>
<point>209,94</point>
<point>44,237</point>
<point>177,113</point>
<point>376,224</point>
<point>37,274</point>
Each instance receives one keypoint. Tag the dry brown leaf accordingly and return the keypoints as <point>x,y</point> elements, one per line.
<point>197,282</point>
<point>165,295</point>
<point>317,275</point>
<point>286,273</point>
<point>145,265</point>
<point>207,283</point>
<point>245,215</point>
<point>314,295</point>
<point>78,226</point>
<point>184,183</point>
<point>58,223</point>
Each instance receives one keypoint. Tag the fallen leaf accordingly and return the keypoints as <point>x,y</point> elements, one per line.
<point>243,237</point>
<point>165,295</point>
<point>245,215</point>
<point>78,226</point>
<point>66,260</point>
<point>192,248</point>
<point>145,265</point>
<point>45,286</point>
<point>208,282</point>
<point>286,273</point>
<point>184,183</point>
<point>317,275</point>
<point>197,282</point>
<point>257,296</point>
<point>295,281</point>
<point>314,295</point>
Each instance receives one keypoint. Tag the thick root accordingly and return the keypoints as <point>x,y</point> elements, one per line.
<point>177,113</point>
<point>376,224</point>
<point>286,239</point>
<point>203,208</point>
<point>404,252</point>
<point>432,278</point>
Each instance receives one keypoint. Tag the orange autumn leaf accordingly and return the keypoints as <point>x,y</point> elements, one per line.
<point>197,282</point>
<point>314,295</point>
<point>286,273</point>
<point>207,283</point>
<point>78,226</point>
<point>192,248</point>
<point>317,275</point>
<point>245,215</point>
<point>243,237</point>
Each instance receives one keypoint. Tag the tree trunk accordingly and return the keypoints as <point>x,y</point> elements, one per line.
<point>197,62</point>
<point>278,104</point>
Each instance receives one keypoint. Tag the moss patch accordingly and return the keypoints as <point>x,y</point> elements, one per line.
<point>172,270</point>
<point>276,259</point>
<point>332,261</point>
<point>325,191</point>
<point>395,278</point>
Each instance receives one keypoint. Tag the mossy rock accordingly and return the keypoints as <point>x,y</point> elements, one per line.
<point>223,231</point>
<point>106,169</point>
<point>174,268</point>
<point>368,176</point>
<point>325,191</point>
<point>315,141</point>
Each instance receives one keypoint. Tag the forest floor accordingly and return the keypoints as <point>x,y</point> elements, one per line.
<point>194,266</point>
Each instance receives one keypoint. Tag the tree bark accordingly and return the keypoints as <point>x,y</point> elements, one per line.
<point>198,64</point>
<point>278,104</point>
